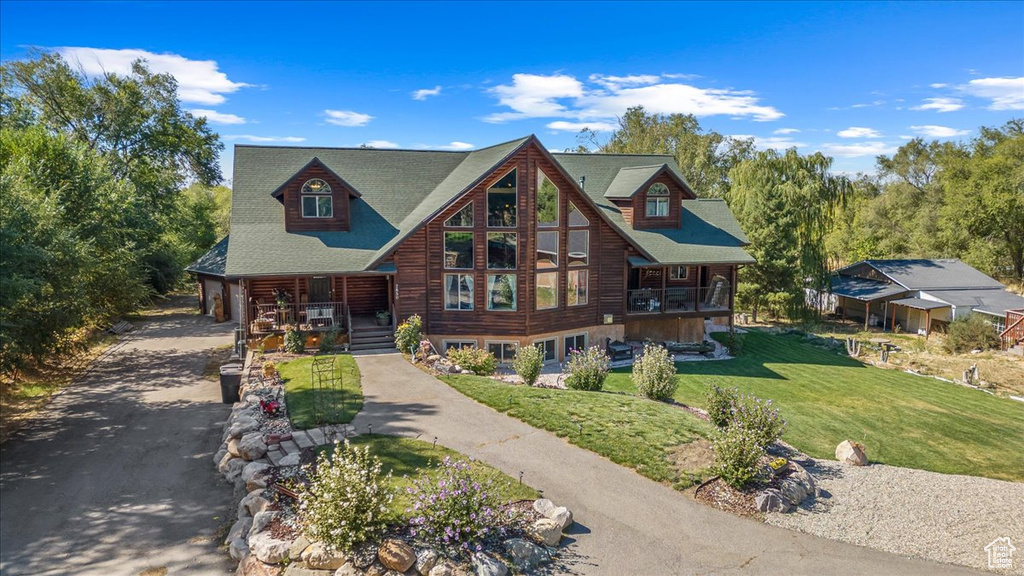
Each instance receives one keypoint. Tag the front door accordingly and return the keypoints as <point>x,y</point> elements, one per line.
<point>320,289</point>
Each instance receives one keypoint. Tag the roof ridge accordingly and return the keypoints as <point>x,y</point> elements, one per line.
<point>586,154</point>
<point>358,148</point>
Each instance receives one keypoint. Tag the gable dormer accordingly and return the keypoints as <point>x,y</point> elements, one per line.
<point>649,196</point>
<point>316,199</point>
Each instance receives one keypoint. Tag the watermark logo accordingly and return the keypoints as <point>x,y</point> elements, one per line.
<point>1000,553</point>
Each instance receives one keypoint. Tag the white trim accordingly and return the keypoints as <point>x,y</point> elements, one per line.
<point>446,342</point>
<point>586,341</point>
<point>675,268</point>
<point>472,291</point>
<point>554,345</point>
<point>318,198</point>
<point>487,346</point>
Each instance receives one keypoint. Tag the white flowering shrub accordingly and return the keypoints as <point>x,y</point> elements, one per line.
<point>587,369</point>
<point>654,373</point>
<point>528,363</point>
<point>737,452</point>
<point>347,501</point>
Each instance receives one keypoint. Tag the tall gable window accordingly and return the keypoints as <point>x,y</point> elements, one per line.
<point>461,219</point>
<point>657,200</point>
<point>547,201</point>
<point>576,218</point>
<point>501,202</point>
<point>316,199</point>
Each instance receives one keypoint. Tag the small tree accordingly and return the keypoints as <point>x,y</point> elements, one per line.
<point>737,452</point>
<point>528,362</point>
<point>654,373</point>
<point>587,369</point>
<point>294,341</point>
<point>720,403</point>
<point>970,333</point>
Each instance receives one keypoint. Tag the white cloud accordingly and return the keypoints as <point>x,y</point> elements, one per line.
<point>766,142</point>
<point>1005,93</point>
<point>380,144</point>
<point>262,139</point>
<point>423,93</point>
<point>218,117</point>
<point>786,131</point>
<point>933,131</point>
<point>938,85</point>
<point>347,118</point>
<point>859,132</point>
<point>941,104</point>
<point>564,126</point>
<point>858,149</point>
<point>870,104</point>
<point>457,146</point>
<point>608,97</point>
<point>199,81</point>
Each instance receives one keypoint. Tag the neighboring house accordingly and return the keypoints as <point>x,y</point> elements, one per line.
<point>499,247</point>
<point>921,295</point>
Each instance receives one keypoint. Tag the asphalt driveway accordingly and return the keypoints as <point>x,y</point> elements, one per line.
<point>117,476</point>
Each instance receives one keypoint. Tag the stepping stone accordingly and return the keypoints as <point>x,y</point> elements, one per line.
<point>317,435</point>
<point>289,447</point>
<point>275,457</point>
<point>303,440</point>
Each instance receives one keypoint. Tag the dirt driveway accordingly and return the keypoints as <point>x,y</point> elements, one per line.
<point>117,477</point>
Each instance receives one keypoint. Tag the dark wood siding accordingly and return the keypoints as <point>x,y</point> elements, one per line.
<point>639,218</point>
<point>367,294</point>
<point>292,197</point>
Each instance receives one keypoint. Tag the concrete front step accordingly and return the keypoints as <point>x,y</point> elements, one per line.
<point>372,346</point>
<point>360,332</point>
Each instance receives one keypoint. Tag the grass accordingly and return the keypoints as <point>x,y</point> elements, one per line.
<point>827,397</point>
<point>408,459</point>
<point>643,435</point>
<point>301,398</point>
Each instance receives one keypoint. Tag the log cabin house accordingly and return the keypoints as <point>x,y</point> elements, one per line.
<point>499,247</point>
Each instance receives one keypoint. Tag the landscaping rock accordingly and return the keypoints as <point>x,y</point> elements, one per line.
<point>238,549</point>
<point>542,506</point>
<point>235,466</point>
<point>260,521</point>
<point>525,554</point>
<point>562,515</point>
<point>851,453</point>
<point>433,358</point>
<point>252,446</point>
<point>252,504</point>
<point>298,547</point>
<point>222,466</point>
<point>298,570</point>
<point>485,565</point>
<point>376,569</point>
<point>798,485</point>
<point>364,555</point>
<point>232,448</point>
<point>253,475</point>
<point>220,455</point>
<point>442,569</point>
<point>426,559</point>
<point>348,569</point>
<point>290,460</point>
<point>771,500</point>
<point>320,557</point>
<point>269,549</point>
<point>239,529</point>
<point>546,531</point>
<point>251,566</point>
<point>242,426</point>
<point>396,555</point>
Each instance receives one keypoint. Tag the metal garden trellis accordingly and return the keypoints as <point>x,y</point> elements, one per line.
<point>328,390</point>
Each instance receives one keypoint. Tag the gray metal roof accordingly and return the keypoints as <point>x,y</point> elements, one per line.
<point>920,303</point>
<point>922,274</point>
<point>991,301</point>
<point>864,289</point>
<point>213,262</point>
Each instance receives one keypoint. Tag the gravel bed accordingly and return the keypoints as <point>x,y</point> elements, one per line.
<point>938,517</point>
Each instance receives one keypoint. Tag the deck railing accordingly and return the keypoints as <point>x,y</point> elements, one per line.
<point>1014,331</point>
<point>672,300</point>
<point>307,316</point>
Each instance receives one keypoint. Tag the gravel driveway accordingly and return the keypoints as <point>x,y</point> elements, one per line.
<point>940,517</point>
<point>115,478</point>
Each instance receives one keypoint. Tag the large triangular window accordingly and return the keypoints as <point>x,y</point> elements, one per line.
<point>461,219</point>
<point>501,202</point>
<point>576,218</point>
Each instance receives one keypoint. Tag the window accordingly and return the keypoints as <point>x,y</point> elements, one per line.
<point>548,348</point>
<point>501,250</point>
<point>575,342</point>
<point>657,200</point>
<point>461,219</point>
<point>579,247</point>
<point>316,199</point>
<point>679,272</point>
<point>458,250</point>
<point>576,218</point>
<point>547,290</point>
<point>458,291</point>
<point>576,291</point>
<point>501,202</point>
<point>547,201</point>
<point>547,249</point>
<point>501,292</point>
<point>503,351</point>
<point>460,344</point>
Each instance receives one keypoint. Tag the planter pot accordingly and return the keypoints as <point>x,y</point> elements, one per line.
<point>383,321</point>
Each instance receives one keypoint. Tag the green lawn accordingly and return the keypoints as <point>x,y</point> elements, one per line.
<point>826,397</point>
<point>300,397</point>
<point>407,459</point>
<point>630,431</point>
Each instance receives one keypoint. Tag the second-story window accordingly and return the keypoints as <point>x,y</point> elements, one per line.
<point>501,202</point>
<point>657,200</point>
<point>316,199</point>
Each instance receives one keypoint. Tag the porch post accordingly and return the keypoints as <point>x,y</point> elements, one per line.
<point>927,323</point>
<point>867,314</point>
<point>885,314</point>
<point>664,281</point>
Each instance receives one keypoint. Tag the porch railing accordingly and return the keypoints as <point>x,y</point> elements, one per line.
<point>307,316</point>
<point>1014,331</point>
<point>671,300</point>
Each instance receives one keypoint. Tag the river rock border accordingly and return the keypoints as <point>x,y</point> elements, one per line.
<point>256,447</point>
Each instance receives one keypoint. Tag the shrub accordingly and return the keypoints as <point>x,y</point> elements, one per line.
<point>408,334</point>
<point>759,418</point>
<point>737,452</point>
<point>527,363</point>
<point>720,403</point>
<point>972,332</point>
<point>453,511</point>
<point>654,373</point>
<point>734,344</point>
<point>294,341</point>
<point>347,499</point>
<point>475,360</point>
<point>328,341</point>
<point>587,369</point>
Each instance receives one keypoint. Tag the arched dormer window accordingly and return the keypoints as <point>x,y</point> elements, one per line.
<point>657,200</point>
<point>316,199</point>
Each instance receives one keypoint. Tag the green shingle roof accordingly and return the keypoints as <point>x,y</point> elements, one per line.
<point>628,180</point>
<point>213,262</point>
<point>401,190</point>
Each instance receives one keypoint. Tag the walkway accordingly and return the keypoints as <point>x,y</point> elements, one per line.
<point>626,524</point>
<point>117,477</point>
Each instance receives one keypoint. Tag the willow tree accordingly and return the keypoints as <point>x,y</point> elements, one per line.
<point>787,204</point>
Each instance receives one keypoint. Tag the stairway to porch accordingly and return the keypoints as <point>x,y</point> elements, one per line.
<point>366,335</point>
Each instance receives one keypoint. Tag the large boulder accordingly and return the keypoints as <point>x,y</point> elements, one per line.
<point>851,453</point>
<point>542,506</point>
<point>525,554</point>
<point>771,500</point>
<point>252,504</point>
<point>269,549</point>
<point>299,546</point>
<point>225,461</point>
<point>486,565</point>
<point>251,566</point>
<point>232,447</point>
<point>320,557</point>
<point>562,515</point>
<point>364,555</point>
<point>797,485</point>
<point>426,559</point>
<point>235,467</point>
<point>254,475</point>
<point>546,531</point>
<point>252,446</point>
<point>238,549</point>
<point>240,529</point>
<point>396,555</point>
<point>442,569</point>
<point>242,426</point>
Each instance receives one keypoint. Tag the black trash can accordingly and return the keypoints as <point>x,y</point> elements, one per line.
<point>230,382</point>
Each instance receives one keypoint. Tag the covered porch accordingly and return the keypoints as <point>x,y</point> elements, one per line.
<point>677,289</point>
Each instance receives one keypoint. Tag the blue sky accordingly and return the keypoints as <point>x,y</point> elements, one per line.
<point>852,80</point>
